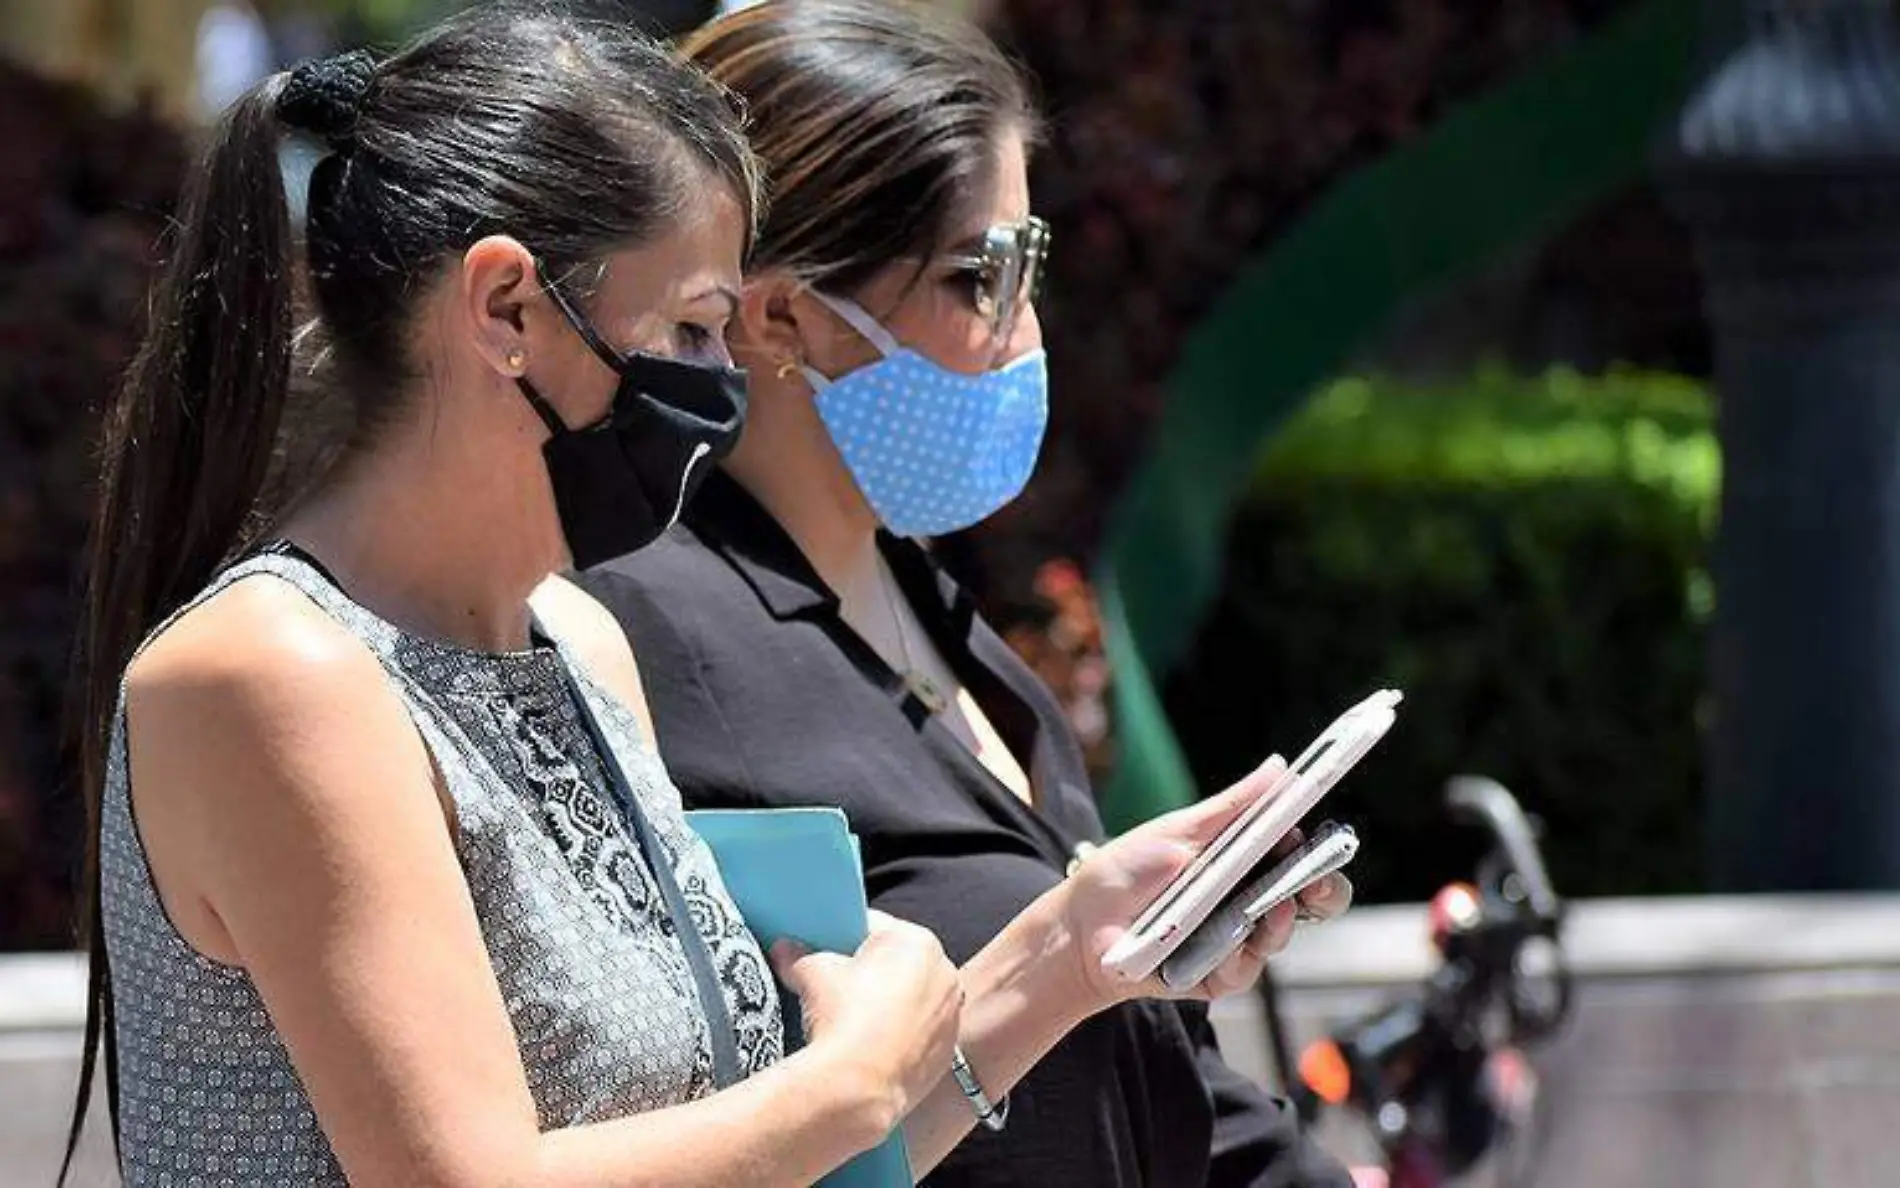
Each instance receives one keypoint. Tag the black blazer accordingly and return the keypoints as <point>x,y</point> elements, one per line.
<point>762,696</point>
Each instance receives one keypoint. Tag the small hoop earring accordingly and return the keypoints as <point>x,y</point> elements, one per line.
<point>786,368</point>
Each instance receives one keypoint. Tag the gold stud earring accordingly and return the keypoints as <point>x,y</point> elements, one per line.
<point>517,359</point>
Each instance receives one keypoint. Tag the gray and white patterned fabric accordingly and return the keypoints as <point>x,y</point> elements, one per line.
<point>593,973</point>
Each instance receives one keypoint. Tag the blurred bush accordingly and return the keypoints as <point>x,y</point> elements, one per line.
<point>1525,559</point>
<point>89,192</point>
<point>1184,137</point>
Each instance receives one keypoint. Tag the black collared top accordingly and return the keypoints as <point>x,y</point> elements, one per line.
<point>762,696</point>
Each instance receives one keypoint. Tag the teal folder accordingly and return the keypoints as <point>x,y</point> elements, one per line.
<point>795,874</point>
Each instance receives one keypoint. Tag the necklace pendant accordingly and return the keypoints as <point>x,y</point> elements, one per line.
<point>925,690</point>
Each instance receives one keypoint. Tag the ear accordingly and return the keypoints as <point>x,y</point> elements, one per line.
<point>773,322</point>
<point>502,301</point>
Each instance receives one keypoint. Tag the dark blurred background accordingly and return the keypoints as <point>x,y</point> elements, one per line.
<point>1503,501</point>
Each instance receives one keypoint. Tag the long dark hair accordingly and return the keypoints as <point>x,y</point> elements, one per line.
<point>579,137</point>
<point>875,121</point>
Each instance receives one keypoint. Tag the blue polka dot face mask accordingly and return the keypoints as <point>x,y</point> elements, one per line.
<point>932,449</point>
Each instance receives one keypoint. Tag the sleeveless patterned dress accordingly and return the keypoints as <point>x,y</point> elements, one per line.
<point>597,983</point>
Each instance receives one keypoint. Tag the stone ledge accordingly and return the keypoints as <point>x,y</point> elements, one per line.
<point>1378,946</point>
<point>1623,938</point>
<point>41,992</point>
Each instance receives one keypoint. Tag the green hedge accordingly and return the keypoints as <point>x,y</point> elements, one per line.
<point>1525,558</point>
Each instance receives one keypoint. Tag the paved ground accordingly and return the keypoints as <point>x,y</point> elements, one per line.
<point>37,1076</point>
<point>1724,1081</point>
<point>1706,1075</point>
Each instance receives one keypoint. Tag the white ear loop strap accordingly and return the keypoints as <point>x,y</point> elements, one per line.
<point>862,322</point>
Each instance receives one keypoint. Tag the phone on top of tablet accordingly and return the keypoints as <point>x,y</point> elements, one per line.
<point>1187,902</point>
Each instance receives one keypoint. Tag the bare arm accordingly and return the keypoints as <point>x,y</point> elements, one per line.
<point>1018,1003</point>
<point>1041,976</point>
<point>294,827</point>
<point>1021,1002</point>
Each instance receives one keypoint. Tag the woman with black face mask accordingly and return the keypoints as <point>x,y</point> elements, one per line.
<point>387,887</point>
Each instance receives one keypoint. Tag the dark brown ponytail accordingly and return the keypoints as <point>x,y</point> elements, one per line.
<point>184,453</point>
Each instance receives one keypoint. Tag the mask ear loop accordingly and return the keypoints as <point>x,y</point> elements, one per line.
<point>855,317</point>
<point>613,359</point>
<point>578,321</point>
<point>542,409</point>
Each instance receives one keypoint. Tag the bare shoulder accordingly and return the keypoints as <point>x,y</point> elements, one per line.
<point>593,634</point>
<point>257,726</point>
<point>254,651</point>
<point>258,687</point>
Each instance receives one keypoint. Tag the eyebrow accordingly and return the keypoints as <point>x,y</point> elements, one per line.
<point>974,242</point>
<point>732,297</point>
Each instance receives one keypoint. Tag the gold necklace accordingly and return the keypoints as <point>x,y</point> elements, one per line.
<point>920,685</point>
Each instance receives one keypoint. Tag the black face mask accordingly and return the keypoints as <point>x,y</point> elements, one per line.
<point>622,481</point>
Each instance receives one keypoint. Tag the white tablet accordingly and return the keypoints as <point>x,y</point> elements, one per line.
<point>1197,891</point>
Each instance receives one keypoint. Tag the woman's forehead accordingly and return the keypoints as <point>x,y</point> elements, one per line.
<point>999,196</point>
<point>700,255</point>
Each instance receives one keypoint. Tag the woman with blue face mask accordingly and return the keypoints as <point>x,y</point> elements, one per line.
<point>800,647</point>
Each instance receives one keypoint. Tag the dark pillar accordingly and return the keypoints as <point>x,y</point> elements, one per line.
<point>1786,164</point>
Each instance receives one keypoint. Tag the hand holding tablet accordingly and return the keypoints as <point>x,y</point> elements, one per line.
<point>1208,884</point>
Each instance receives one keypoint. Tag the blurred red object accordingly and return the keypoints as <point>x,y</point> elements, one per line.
<point>1455,909</point>
<point>1062,644</point>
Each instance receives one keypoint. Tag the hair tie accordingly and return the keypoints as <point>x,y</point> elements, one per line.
<point>324,96</point>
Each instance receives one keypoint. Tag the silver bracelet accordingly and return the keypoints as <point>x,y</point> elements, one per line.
<point>990,1114</point>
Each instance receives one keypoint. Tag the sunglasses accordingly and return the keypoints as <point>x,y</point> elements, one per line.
<point>1006,268</point>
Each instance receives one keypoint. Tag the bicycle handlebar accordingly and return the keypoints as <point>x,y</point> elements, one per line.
<point>1481,800</point>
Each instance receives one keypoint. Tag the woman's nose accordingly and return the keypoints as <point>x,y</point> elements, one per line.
<point>1025,336</point>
